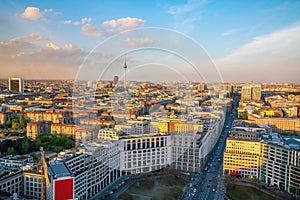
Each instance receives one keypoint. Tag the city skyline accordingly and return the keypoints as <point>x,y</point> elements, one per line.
<point>42,40</point>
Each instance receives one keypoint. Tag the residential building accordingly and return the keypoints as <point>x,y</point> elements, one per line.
<point>34,129</point>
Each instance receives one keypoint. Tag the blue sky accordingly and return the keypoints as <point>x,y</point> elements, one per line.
<point>247,40</point>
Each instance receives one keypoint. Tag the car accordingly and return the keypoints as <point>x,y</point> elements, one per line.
<point>213,189</point>
<point>194,190</point>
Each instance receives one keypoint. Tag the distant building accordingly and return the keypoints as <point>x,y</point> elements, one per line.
<point>246,93</point>
<point>278,125</point>
<point>16,84</point>
<point>252,92</point>
<point>14,162</point>
<point>115,80</point>
<point>256,93</point>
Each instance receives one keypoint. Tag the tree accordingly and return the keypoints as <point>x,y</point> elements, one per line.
<point>11,151</point>
<point>16,125</point>
<point>23,121</point>
<point>126,196</point>
<point>228,180</point>
<point>147,183</point>
<point>32,154</point>
<point>8,123</point>
<point>176,192</point>
<point>25,146</point>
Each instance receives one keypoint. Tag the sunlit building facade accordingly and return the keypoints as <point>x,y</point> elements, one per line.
<point>242,157</point>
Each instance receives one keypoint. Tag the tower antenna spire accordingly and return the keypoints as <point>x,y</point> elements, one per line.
<point>125,68</point>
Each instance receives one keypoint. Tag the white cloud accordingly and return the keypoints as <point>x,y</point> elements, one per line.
<point>32,13</point>
<point>91,30</point>
<point>53,46</point>
<point>69,47</point>
<point>277,42</point>
<point>123,24</point>
<point>25,57</point>
<point>77,23</point>
<point>67,21</point>
<point>33,37</point>
<point>269,56</point>
<point>186,15</point>
<point>83,21</point>
<point>48,10</point>
<point>186,8</point>
<point>136,42</point>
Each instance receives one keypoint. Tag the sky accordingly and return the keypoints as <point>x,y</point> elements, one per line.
<point>210,40</point>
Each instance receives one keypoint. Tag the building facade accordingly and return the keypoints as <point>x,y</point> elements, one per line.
<point>145,153</point>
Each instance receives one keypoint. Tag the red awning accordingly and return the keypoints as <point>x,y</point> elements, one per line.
<point>235,173</point>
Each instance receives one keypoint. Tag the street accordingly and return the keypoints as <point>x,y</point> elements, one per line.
<point>209,184</point>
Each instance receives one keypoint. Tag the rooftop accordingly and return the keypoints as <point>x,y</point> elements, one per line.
<point>59,169</point>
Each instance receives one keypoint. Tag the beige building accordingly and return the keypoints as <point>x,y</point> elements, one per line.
<point>278,125</point>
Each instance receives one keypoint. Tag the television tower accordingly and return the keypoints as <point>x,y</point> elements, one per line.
<point>125,67</point>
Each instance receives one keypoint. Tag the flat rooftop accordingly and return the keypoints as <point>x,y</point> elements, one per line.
<point>58,169</point>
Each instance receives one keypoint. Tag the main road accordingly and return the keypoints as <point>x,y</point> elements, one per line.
<point>209,185</point>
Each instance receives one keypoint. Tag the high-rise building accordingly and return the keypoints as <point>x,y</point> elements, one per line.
<point>252,92</point>
<point>16,84</point>
<point>246,93</point>
<point>256,93</point>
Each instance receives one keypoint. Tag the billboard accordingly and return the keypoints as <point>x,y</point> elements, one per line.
<point>63,188</point>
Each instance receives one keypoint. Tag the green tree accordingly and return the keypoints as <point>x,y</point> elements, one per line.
<point>32,154</point>
<point>8,123</point>
<point>11,151</point>
<point>23,121</point>
<point>176,192</point>
<point>126,196</point>
<point>69,144</point>
<point>16,125</point>
<point>147,183</point>
<point>228,180</point>
<point>25,146</point>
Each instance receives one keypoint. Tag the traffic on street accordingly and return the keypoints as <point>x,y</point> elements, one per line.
<point>208,185</point>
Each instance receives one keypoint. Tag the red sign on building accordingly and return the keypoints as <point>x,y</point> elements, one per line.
<point>63,189</point>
